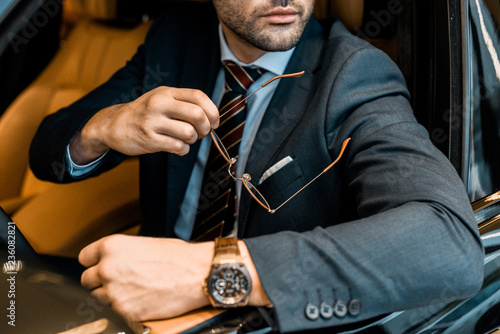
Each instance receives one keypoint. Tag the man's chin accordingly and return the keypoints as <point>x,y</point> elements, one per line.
<point>278,37</point>
<point>277,48</point>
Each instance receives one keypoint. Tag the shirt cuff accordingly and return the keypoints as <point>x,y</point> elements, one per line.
<point>80,170</point>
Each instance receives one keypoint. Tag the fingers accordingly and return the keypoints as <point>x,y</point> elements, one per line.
<point>164,119</point>
<point>96,258</point>
<point>206,108</point>
<point>179,126</point>
<point>186,105</point>
<point>90,255</point>
<point>91,279</point>
<point>176,118</point>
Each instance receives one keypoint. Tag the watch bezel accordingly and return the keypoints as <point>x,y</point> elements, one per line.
<point>217,299</point>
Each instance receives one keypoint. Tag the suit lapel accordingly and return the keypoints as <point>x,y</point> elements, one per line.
<point>286,109</point>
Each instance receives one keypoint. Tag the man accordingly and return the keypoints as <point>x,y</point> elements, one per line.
<point>389,227</point>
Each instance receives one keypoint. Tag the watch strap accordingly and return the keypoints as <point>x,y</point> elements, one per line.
<point>226,251</point>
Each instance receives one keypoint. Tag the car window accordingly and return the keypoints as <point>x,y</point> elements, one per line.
<point>483,88</point>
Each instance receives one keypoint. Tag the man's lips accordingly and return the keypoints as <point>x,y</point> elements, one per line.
<point>281,15</point>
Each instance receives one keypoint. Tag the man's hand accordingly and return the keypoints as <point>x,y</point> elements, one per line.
<point>147,278</point>
<point>165,119</point>
<point>153,278</point>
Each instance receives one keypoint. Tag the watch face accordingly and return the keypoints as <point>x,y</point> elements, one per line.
<point>229,284</point>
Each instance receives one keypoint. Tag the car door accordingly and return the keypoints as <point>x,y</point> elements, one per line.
<point>29,37</point>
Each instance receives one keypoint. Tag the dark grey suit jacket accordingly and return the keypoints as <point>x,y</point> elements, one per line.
<point>390,225</point>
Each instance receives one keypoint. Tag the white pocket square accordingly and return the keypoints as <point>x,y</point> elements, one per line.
<point>274,168</point>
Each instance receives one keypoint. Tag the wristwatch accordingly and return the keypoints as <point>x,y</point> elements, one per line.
<point>228,285</point>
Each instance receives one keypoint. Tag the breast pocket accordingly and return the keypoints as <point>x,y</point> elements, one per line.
<point>279,186</point>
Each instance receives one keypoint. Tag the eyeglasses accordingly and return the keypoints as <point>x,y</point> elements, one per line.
<point>246,178</point>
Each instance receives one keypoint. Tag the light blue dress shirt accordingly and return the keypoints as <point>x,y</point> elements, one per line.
<point>274,63</point>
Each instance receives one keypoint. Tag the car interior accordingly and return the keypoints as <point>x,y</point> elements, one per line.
<point>54,52</point>
<point>85,42</point>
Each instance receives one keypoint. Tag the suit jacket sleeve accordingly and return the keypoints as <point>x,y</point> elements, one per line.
<point>56,131</point>
<point>415,241</point>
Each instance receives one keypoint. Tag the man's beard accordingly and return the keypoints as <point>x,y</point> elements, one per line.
<point>275,37</point>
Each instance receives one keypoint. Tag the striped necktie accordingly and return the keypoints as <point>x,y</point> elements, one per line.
<point>217,204</point>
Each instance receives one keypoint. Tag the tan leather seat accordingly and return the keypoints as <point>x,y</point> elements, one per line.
<point>43,211</point>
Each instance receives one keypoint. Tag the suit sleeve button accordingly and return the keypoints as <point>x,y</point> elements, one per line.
<point>311,311</point>
<point>325,310</point>
<point>340,309</point>
<point>354,307</point>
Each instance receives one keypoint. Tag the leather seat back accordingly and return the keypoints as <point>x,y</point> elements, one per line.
<point>91,53</point>
<point>90,56</point>
<point>60,219</point>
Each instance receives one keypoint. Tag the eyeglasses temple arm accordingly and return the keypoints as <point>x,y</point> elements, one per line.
<point>291,75</point>
<point>344,145</point>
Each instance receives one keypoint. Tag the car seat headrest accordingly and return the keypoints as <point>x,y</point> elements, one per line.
<point>103,10</point>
